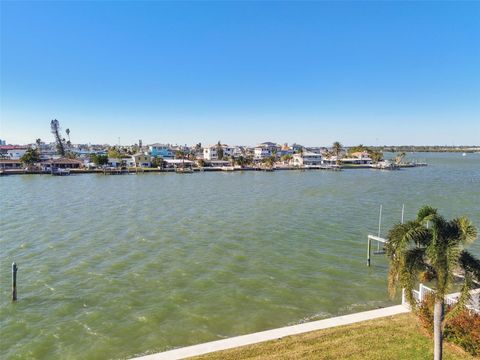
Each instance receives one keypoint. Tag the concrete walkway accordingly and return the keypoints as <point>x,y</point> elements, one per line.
<point>200,349</point>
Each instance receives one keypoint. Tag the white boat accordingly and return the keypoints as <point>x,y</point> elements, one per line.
<point>60,172</point>
<point>464,154</point>
<point>385,165</point>
<point>184,170</point>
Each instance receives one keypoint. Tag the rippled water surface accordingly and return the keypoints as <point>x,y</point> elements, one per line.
<point>116,266</point>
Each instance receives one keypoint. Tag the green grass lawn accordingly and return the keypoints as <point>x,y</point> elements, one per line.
<point>395,337</point>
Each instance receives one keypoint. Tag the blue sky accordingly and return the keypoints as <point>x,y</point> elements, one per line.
<point>242,72</point>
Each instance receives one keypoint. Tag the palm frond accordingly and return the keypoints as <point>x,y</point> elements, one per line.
<point>450,265</point>
<point>463,299</point>
<point>431,248</point>
<point>412,265</point>
<point>467,232</point>
<point>403,236</point>
<point>426,213</point>
<point>470,264</point>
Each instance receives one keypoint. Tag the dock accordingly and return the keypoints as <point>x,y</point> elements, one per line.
<point>379,241</point>
<point>378,238</point>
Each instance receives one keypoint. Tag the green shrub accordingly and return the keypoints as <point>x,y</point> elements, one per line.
<point>462,329</point>
<point>425,312</point>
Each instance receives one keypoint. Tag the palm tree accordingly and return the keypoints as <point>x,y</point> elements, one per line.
<point>201,162</point>
<point>55,129</point>
<point>180,154</point>
<point>38,142</point>
<point>219,151</point>
<point>158,162</point>
<point>376,156</point>
<point>241,161</point>
<point>269,161</point>
<point>30,157</point>
<point>399,158</point>
<point>431,248</point>
<point>68,135</point>
<point>286,158</point>
<point>337,149</point>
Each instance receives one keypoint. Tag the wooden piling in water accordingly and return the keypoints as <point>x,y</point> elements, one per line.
<point>14,281</point>
<point>368,252</point>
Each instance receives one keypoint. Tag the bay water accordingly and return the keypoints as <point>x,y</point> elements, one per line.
<point>116,266</point>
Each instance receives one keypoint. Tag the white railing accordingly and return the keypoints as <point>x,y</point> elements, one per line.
<point>450,299</point>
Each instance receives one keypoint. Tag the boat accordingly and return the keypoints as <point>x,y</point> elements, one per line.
<point>333,167</point>
<point>385,165</point>
<point>464,154</point>
<point>115,171</point>
<point>60,172</point>
<point>184,170</point>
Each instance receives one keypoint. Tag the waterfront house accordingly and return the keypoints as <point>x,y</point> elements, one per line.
<point>10,164</point>
<point>13,152</point>
<point>265,150</point>
<point>285,150</point>
<point>211,152</point>
<point>331,160</point>
<point>297,147</point>
<point>141,160</point>
<point>238,151</point>
<point>261,153</point>
<point>120,162</point>
<point>269,145</point>
<point>307,159</point>
<point>219,163</point>
<point>61,163</point>
<point>174,163</point>
<point>359,157</point>
<point>161,150</point>
<point>316,150</point>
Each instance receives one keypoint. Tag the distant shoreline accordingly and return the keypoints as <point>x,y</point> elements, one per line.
<point>205,169</point>
<point>408,150</point>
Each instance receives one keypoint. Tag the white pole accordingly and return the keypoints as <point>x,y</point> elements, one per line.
<point>379,227</point>
<point>380,221</point>
<point>403,211</point>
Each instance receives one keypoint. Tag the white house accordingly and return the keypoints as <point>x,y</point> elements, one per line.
<point>261,153</point>
<point>316,150</point>
<point>307,159</point>
<point>357,158</point>
<point>115,162</point>
<point>265,150</point>
<point>16,154</point>
<point>211,152</point>
<point>238,151</point>
<point>171,163</point>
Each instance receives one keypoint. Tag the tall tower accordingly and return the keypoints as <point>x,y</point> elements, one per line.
<point>140,143</point>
